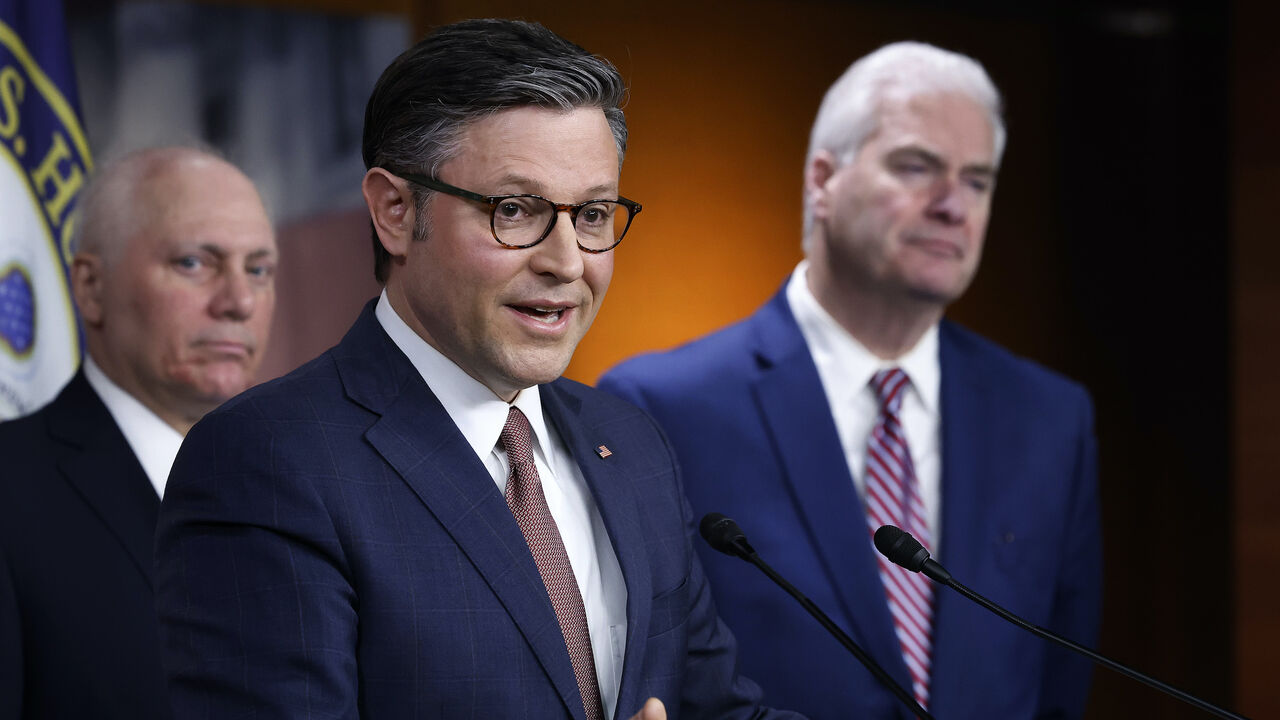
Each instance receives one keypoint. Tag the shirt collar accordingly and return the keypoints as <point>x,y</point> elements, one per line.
<point>479,414</point>
<point>828,338</point>
<point>154,442</point>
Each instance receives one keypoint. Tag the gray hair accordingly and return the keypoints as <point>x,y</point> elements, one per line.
<point>108,213</point>
<point>850,111</point>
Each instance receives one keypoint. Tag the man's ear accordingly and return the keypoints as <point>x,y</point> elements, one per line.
<point>87,276</point>
<point>391,209</point>
<point>817,172</point>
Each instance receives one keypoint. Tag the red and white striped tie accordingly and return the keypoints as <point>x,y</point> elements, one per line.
<point>893,498</point>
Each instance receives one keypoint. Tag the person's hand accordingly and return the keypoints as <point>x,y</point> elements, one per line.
<point>653,710</point>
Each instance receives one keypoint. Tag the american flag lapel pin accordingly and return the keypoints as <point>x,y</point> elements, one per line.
<point>603,451</point>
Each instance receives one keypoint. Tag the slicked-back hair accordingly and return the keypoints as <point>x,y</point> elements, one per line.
<point>850,111</point>
<point>461,73</point>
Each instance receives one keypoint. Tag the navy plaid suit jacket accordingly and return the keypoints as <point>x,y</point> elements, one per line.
<point>331,547</point>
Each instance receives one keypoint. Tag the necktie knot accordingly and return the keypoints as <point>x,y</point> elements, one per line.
<point>517,438</point>
<point>890,385</point>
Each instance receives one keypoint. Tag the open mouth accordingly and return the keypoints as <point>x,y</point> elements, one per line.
<point>548,315</point>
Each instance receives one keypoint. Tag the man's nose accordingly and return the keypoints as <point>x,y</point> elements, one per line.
<point>236,297</point>
<point>558,254</point>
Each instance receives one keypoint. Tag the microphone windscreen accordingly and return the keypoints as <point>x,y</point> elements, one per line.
<point>721,533</point>
<point>900,548</point>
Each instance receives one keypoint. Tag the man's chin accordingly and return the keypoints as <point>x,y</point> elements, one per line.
<point>539,371</point>
<point>212,391</point>
<point>939,291</point>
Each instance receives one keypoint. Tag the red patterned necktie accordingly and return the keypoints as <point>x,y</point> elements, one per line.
<point>893,498</point>
<point>529,505</point>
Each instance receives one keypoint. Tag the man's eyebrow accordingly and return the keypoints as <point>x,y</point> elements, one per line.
<point>221,253</point>
<point>214,250</point>
<point>537,188</point>
<point>934,159</point>
<point>601,192</point>
<point>982,169</point>
<point>262,253</point>
<point>918,152</point>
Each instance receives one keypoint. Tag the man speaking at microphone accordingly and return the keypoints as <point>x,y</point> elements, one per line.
<point>427,521</point>
<point>848,402</point>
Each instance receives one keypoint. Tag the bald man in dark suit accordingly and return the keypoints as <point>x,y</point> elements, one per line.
<point>173,279</point>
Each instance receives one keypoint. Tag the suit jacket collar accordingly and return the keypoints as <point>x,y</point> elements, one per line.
<point>794,409</point>
<point>969,453</point>
<point>620,509</point>
<point>419,441</point>
<point>96,461</point>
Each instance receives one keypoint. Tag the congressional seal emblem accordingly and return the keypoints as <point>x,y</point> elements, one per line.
<point>44,161</point>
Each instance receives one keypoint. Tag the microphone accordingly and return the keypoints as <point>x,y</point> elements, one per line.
<point>724,535</point>
<point>901,549</point>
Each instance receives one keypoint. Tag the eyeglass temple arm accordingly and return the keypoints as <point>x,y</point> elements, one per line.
<point>443,187</point>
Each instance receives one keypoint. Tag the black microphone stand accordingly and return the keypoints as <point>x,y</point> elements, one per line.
<point>724,535</point>
<point>906,551</point>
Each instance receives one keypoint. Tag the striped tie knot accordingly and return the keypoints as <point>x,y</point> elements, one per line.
<point>890,384</point>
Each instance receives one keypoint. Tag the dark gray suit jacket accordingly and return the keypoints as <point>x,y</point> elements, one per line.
<point>78,632</point>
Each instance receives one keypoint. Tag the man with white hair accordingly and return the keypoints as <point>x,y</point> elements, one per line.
<point>847,402</point>
<point>174,279</point>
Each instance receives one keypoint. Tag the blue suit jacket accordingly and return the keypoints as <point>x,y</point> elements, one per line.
<point>754,435</point>
<point>78,636</point>
<point>331,547</point>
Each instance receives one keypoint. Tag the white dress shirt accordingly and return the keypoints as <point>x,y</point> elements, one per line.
<point>846,367</point>
<point>480,415</point>
<point>154,442</point>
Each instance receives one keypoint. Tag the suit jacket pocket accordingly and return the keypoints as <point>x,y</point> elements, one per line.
<point>670,609</point>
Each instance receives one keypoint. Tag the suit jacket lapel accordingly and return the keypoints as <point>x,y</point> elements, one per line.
<point>97,462</point>
<point>420,442</point>
<point>618,505</point>
<point>969,458</point>
<point>794,409</point>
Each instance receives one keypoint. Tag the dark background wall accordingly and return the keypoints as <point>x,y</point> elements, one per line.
<point>1131,248</point>
<point>1254,281</point>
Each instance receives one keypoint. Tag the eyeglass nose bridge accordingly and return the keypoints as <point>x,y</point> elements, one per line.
<point>558,208</point>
